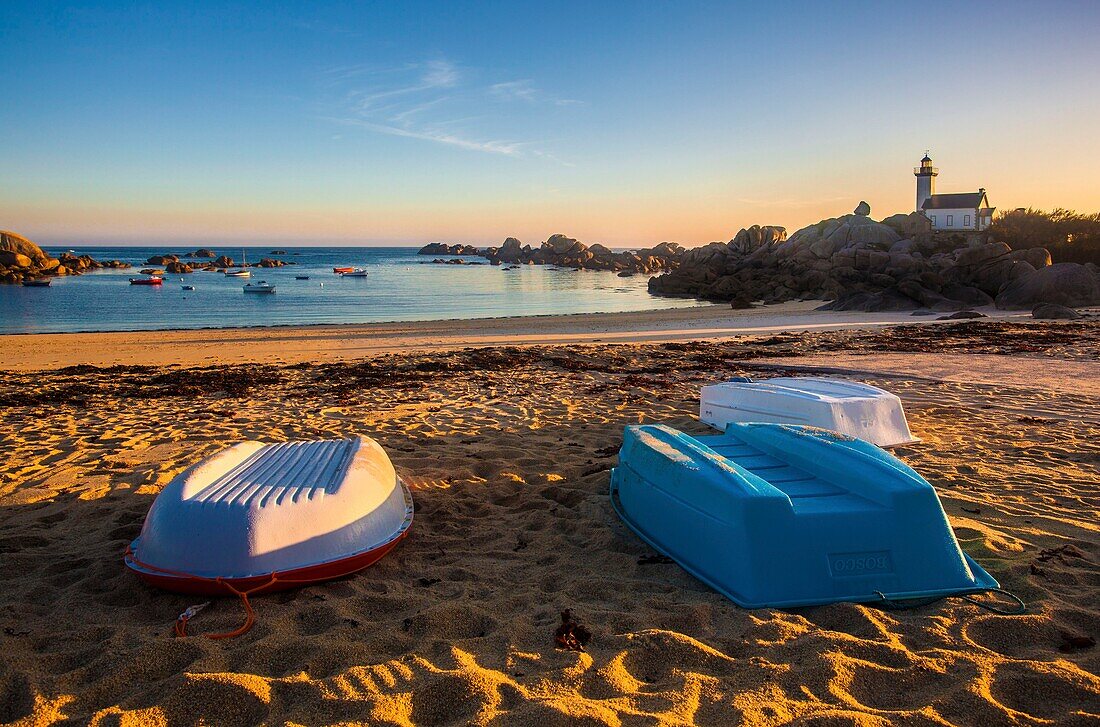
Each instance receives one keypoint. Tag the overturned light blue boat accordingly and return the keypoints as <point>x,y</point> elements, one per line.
<point>777,515</point>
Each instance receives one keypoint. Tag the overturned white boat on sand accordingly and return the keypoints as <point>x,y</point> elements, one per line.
<point>848,407</point>
<point>265,517</point>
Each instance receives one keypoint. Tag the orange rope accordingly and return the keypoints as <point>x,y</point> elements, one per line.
<point>250,615</point>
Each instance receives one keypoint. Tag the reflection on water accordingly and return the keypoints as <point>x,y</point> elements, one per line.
<point>400,287</point>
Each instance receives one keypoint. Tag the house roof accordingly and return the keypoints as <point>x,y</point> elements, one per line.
<point>965,200</point>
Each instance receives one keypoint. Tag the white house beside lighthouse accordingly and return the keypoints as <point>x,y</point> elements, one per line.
<point>966,211</point>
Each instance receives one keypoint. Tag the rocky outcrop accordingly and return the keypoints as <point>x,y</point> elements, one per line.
<point>568,252</point>
<point>202,252</point>
<point>162,259</point>
<point>859,264</point>
<point>442,248</point>
<point>912,226</point>
<point>1067,284</point>
<point>21,259</point>
<point>512,251</point>
<point>223,261</point>
<point>177,267</point>
<point>269,263</point>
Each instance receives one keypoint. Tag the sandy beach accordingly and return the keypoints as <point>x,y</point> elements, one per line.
<point>324,343</point>
<point>507,449</point>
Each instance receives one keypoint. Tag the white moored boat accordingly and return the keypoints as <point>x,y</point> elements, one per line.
<point>857,410</point>
<point>261,287</point>
<point>262,517</point>
<point>355,273</point>
<point>243,272</point>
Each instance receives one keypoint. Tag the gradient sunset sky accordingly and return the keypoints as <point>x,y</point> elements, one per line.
<point>621,123</point>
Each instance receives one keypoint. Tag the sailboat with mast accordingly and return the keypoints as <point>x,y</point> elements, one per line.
<point>243,272</point>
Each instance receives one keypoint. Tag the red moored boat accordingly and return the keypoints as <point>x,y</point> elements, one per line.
<point>342,270</point>
<point>153,280</point>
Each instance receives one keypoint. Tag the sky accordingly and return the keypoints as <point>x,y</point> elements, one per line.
<point>622,123</point>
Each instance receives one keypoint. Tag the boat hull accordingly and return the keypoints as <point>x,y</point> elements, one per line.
<point>838,520</point>
<point>851,408</point>
<point>275,581</point>
<point>272,517</point>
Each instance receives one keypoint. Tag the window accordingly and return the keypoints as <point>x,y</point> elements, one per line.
<point>950,220</point>
<point>966,220</point>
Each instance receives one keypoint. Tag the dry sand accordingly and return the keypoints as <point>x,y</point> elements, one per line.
<point>508,452</point>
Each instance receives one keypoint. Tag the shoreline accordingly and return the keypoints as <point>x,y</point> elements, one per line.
<point>340,342</point>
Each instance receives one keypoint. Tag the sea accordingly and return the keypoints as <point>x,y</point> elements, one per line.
<point>400,286</point>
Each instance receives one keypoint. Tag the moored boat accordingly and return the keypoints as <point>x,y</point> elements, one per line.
<point>354,273</point>
<point>37,283</point>
<point>339,271</point>
<point>243,272</point>
<point>774,515</point>
<point>261,287</point>
<point>151,280</point>
<point>188,287</point>
<point>301,277</point>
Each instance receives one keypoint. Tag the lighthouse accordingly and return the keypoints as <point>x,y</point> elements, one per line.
<point>950,212</point>
<point>926,180</point>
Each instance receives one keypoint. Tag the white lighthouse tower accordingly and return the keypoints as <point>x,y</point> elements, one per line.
<point>926,180</point>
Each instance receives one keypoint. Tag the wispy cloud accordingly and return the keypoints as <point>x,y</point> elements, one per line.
<point>426,101</point>
<point>440,136</point>
<point>525,90</point>
<point>440,74</point>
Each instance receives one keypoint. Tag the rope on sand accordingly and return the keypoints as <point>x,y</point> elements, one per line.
<point>1018,609</point>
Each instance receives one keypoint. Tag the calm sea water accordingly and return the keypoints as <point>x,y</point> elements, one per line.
<point>400,287</point>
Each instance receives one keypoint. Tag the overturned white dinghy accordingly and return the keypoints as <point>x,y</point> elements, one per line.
<point>259,517</point>
<point>857,410</point>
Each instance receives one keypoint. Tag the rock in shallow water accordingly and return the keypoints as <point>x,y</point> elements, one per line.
<point>1054,312</point>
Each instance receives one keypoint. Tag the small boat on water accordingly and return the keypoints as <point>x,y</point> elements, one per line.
<point>777,515</point>
<point>340,271</point>
<point>301,277</point>
<point>261,287</point>
<point>273,516</point>
<point>151,280</point>
<point>188,287</point>
<point>354,273</point>
<point>37,283</point>
<point>243,272</point>
<point>849,407</point>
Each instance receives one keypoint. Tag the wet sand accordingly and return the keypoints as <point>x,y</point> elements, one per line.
<point>296,344</point>
<point>508,452</point>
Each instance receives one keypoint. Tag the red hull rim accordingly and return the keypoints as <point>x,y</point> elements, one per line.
<point>277,580</point>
